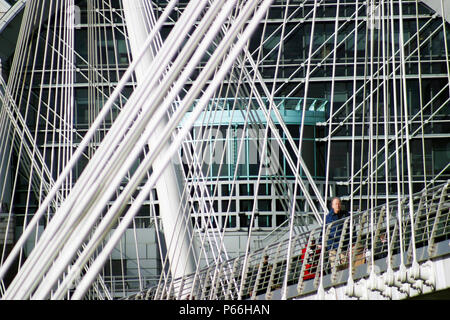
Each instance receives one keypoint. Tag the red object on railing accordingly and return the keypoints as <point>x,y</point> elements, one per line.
<point>311,264</point>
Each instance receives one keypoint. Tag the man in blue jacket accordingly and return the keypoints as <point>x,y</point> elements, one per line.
<point>336,213</point>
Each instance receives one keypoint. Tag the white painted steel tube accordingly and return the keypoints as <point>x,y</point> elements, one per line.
<point>167,185</point>
<point>84,284</point>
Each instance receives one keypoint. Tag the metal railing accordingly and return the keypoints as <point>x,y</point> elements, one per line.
<point>264,271</point>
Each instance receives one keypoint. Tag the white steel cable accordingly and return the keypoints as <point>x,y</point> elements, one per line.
<point>235,51</point>
<point>80,204</point>
<point>385,33</point>
<point>81,147</point>
<point>24,225</point>
<point>209,219</point>
<point>260,168</point>
<point>407,139</point>
<point>399,211</point>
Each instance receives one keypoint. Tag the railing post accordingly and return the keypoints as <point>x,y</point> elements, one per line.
<point>442,199</point>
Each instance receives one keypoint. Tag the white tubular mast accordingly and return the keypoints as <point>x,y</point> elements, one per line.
<point>91,210</point>
<point>179,248</point>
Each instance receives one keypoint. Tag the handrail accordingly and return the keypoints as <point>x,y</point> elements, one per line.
<point>304,264</point>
